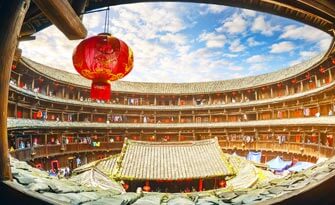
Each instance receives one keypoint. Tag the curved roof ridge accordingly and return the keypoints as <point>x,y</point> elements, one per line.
<point>177,88</point>
<point>179,143</point>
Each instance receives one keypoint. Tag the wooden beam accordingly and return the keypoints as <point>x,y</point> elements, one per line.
<point>27,38</point>
<point>79,7</point>
<point>60,13</point>
<point>11,18</point>
<point>27,30</point>
<point>17,54</point>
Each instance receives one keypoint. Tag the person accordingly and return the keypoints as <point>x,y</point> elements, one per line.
<point>22,145</point>
<point>28,144</point>
<point>245,117</point>
<point>44,115</point>
<point>317,114</point>
<point>78,161</point>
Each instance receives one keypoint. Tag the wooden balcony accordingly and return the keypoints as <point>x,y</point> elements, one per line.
<point>54,150</point>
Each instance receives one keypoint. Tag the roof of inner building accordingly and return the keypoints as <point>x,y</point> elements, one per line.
<point>172,160</point>
<point>176,88</point>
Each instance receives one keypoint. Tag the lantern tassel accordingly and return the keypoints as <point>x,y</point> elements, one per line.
<point>101,91</point>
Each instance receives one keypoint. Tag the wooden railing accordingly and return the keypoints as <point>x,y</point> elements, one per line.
<point>54,150</point>
<point>313,150</point>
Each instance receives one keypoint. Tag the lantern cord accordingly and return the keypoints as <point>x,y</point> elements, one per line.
<point>106,29</point>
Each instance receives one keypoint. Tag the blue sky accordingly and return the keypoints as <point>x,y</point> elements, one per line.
<point>187,42</point>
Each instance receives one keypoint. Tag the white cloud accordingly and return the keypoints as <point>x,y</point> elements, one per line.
<point>257,67</point>
<point>325,43</point>
<point>263,27</point>
<point>178,38</point>
<point>282,47</point>
<point>252,42</point>
<point>256,59</point>
<point>233,25</point>
<point>308,54</point>
<point>236,46</point>
<point>303,32</point>
<point>248,12</point>
<point>213,40</point>
<point>168,49</point>
<point>211,8</point>
<point>307,33</point>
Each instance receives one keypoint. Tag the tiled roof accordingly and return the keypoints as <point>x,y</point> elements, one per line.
<point>173,107</point>
<point>38,124</point>
<point>172,160</point>
<point>177,88</point>
<point>94,178</point>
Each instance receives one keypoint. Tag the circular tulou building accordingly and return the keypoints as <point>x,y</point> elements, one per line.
<point>164,143</point>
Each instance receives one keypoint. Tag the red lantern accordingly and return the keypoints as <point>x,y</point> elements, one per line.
<point>333,60</point>
<point>125,186</point>
<point>147,187</point>
<point>279,85</point>
<point>222,183</point>
<point>102,58</point>
<point>13,67</point>
<point>294,81</point>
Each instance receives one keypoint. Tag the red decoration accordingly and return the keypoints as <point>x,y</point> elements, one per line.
<point>40,80</point>
<point>147,187</point>
<point>125,186</point>
<point>13,67</point>
<point>279,85</point>
<point>234,93</point>
<point>294,81</point>
<point>322,69</point>
<point>333,61</point>
<point>222,183</point>
<point>308,76</point>
<point>102,58</point>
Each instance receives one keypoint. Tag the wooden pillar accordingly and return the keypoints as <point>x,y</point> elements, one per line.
<point>209,100</point>
<point>15,110</point>
<point>330,75</point>
<point>179,117</point>
<point>155,100</point>
<point>256,96</point>
<point>286,90</point>
<point>12,14</point>
<point>179,100</point>
<point>19,80</point>
<point>63,92</point>
<point>271,92</point>
<point>316,81</point>
<point>301,86</point>
<point>200,184</point>
<point>33,84</point>
<point>48,90</point>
